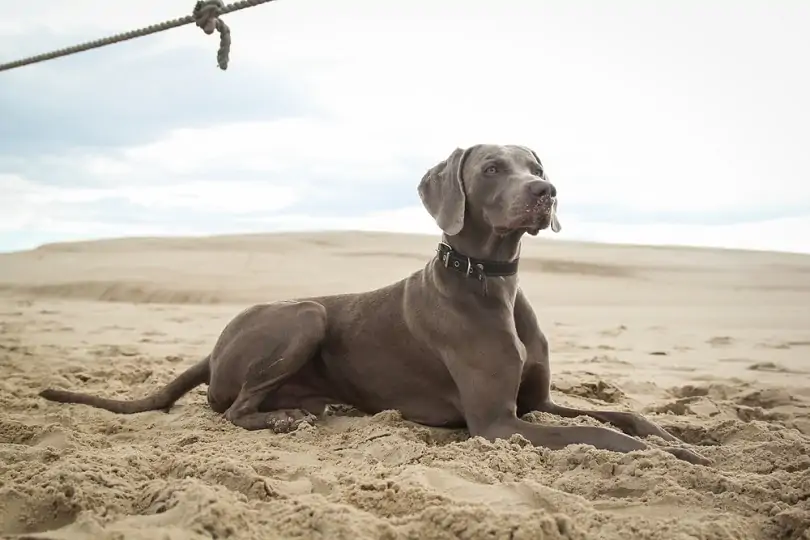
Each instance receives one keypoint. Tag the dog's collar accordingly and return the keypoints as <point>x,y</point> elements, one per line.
<point>470,267</point>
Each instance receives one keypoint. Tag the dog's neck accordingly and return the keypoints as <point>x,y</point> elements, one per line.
<point>485,246</point>
<point>487,268</point>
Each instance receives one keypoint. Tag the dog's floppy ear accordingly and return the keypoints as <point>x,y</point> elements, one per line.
<point>555,223</point>
<point>442,192</point>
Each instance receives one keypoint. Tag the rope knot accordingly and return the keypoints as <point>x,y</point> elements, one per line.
<point>206,15</point>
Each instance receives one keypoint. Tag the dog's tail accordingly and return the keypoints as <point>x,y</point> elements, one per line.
<point>164,398</point>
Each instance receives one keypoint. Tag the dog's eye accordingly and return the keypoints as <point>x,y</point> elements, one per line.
<point>492,169</point>
<point>538,172</point>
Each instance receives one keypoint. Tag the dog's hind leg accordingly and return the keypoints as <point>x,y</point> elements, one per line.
<point>298,328</point>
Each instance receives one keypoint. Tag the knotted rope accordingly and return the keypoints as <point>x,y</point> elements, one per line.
<point>206,15</point>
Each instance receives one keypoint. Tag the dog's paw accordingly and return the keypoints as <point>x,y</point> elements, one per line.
<point>688,455</point>
<point>285,421</point>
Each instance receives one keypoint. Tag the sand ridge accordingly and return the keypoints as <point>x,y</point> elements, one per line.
<point>712,344</point>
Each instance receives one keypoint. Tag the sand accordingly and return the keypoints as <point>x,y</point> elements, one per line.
<point>714,345</point>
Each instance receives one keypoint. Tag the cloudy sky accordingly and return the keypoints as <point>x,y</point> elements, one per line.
<point>675,122</point>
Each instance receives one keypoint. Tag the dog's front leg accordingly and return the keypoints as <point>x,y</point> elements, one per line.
<point>488,379</point>
<point>534,393</point>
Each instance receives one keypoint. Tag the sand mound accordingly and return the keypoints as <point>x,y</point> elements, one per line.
<point>121,318</point>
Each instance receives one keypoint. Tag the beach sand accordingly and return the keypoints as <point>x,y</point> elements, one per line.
<point>714,345</point>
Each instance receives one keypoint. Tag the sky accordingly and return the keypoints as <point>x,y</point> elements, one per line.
<point>681,122</point>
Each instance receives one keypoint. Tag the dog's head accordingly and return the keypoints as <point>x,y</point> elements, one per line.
<point>502,187</point>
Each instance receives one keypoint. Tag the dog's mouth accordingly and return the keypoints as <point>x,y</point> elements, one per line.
<point>530,217</point>
<point>536,216</point>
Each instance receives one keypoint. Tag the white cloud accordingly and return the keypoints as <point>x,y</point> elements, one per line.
<point>404,78</point>
<point>684,107</point>
<point>234,197</point>
<point>320,146</point>
<point>410,219</point>
<point>784,234</point>
<point>27,205</point>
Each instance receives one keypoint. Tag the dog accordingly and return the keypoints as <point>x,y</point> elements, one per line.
<point>455,344</point>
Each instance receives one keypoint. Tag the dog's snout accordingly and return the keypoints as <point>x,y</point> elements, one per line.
<point>538,188</point>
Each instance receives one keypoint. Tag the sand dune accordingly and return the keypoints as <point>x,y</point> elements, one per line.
<point>715,345</point>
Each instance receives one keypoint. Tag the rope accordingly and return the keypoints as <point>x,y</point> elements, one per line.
<point>205,15</point>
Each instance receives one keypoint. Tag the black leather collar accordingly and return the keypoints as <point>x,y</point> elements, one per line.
<point>478,268</point>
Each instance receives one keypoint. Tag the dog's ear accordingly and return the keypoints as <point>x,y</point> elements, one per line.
<point>442,192</point>
<point>555,223</point>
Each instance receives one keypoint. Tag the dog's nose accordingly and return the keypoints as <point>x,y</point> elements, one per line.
<point>538,188</point>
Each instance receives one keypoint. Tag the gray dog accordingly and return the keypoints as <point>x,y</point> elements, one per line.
<point>455,344</point>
